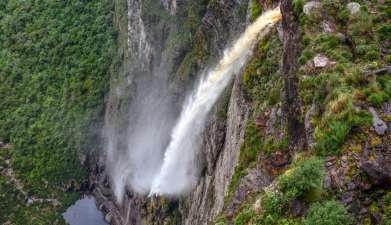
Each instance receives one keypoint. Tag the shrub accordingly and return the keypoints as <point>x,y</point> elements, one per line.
<point>256,10</point>
<point>340,117</point>
<point>272,144</point>
<point>384,32</point>
<point>273,203</point>
<point>379,91</point>
<point>305,177</point>
<point>298,6</point>
<point>328,213</point>
<point>332,137</point>
<point>245,216</point>
<point>387,208</point>
<point>274,207</point>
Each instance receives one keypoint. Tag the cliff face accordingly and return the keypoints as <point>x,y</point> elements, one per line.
<point>144,51</point>
<point>250,174</point>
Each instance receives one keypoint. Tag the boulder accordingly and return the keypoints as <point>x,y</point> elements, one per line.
<point>321,61</point>
<point>310,6</point>
<point>353,7</point>
<point>379,174</point>
<point>378,124</point>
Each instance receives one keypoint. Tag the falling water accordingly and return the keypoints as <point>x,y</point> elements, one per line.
<point>179,172</point>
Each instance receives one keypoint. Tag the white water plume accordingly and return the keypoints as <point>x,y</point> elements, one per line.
<point>179,171</point>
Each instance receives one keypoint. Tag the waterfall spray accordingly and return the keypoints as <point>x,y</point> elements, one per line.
<point>179,171</point>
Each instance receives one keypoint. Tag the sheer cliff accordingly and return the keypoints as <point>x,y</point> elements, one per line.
<point>251,173</point>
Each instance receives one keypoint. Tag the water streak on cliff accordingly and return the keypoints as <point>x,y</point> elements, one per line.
<point>179,171</point>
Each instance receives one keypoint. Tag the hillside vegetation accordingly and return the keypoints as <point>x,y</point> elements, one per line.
<point>55,59</point>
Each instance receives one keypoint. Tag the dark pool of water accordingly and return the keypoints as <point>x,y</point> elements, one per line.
<point>84,212</point>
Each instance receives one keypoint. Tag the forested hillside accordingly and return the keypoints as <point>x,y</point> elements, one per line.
<point>55,59</point>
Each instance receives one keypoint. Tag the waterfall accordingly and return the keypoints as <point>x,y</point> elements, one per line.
<point>179,172</point>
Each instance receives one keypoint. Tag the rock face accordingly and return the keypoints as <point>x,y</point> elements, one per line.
<point>198,207</point>
<point>310,6</point>
<point>146,47</point>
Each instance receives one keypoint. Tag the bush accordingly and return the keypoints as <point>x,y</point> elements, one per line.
<point>305,177</point>
<point>273,203</point>
<point>340,117</point>
<point>387,208</point>
<point>328,213</point>
<point>384,32</point>
<point>256,10</point>
<point>245,216</point>
<point>333,136</point>
<point>298,6</point>
<point>379,91</point>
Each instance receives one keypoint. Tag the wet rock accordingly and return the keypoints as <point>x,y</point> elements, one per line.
<point>379,174</point>
<point>297,208</point>
<point>309,7</point>
<point>353,7</point>
<point>280,32</point>
<point>309,128</point>
<point>378,124</point>
<point>321,61</point>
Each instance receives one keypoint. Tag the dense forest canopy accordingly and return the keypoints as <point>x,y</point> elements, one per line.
<point>55,59</point>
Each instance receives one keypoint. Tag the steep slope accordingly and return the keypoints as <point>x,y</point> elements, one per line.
<point>250,174</point>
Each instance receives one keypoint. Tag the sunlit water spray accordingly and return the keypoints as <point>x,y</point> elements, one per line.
<point>179,171</point>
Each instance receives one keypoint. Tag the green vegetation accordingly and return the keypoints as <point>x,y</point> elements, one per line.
<point>387,208</point>
<point>245,216</point>
<point>54,65</point>
<point>55,59</point>
<point>190,38</point>
<point>271,145</point>
<point>304,178</point>
<point>256,9</point>
<point>340,94</point>
<point>260,78</point>
<point>328,213</point>
<point>340,117</point>
<point>15,208</point>
<point>247,158</point>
